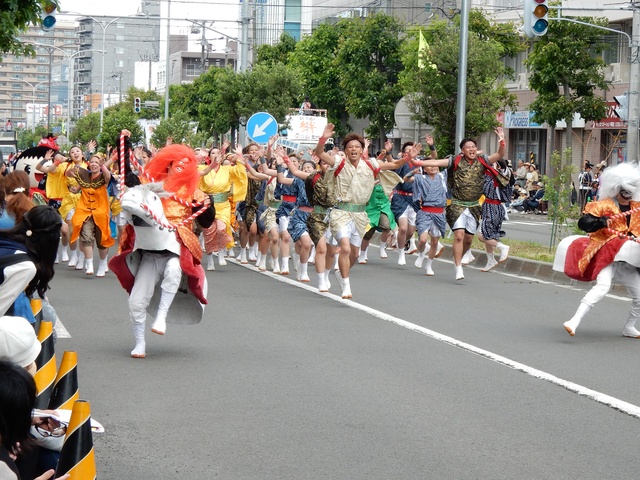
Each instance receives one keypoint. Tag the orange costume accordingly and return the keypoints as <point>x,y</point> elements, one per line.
<point>93,203</point>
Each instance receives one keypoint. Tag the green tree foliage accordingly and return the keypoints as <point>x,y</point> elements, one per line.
<point>27,138</point>
<point>15,18</point>
<point>273,89</point>
<point>179,127</point>
<point>115,120</point>
<point>432,92</point>
<point>278,53</point>
<point>370,63</point>
<point>567,69</point>
<point>216,95</point>
<point>184,97</point>
<point>315,60</point>
<point>86,128</point>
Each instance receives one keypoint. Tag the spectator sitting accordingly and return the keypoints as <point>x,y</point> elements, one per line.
<point>533,202</point>
<point>592,194</point>
<point>520,194</point>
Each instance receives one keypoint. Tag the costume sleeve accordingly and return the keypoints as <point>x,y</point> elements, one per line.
<point>239,181</point>
<point>590,223</point>
<point>206,218</point>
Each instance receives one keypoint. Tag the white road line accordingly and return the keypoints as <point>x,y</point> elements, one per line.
<point>599,397</point>
<point>61,331</point>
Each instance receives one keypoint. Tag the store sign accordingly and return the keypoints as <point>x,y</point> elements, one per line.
<point>521,119</point>
<point>611,121</point>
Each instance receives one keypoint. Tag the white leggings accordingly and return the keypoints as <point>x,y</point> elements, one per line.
<point>152,267</point>
<point>624,274</point>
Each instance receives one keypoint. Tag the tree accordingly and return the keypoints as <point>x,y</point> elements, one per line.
<point>144,96</point>
<point>432,92</point>
<point>86,128</point>
<point>278,53</point>
<point>315,61</point>
<point>370,62</point>
<point>27,138</point>
<point>15,18</point>
<point>115,120</point>
<point>178,127</point>
<point>567,69</point>
<point>274,89</point>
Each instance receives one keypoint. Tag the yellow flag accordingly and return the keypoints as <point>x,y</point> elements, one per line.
<point>422,48</point>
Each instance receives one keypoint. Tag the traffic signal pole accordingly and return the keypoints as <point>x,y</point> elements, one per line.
<point>634,90</point>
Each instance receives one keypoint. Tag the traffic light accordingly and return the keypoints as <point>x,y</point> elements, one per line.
<point>622,107</point>
<point>536,22</point>
<point>136,105</point>
<point>48,16</point>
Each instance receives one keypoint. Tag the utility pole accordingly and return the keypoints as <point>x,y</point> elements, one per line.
<point>462,72</point>
<point>634,89</point>
<point>168,61</point>
<point>244,37</point>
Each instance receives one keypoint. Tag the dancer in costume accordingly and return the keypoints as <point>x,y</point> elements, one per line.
<point>222,182</point>
<point>611,251</point>
<point>354,181</point>
<point>493,212</point>
<point>430,193</point>
<point>90,219</point>
<point>466,173</point>
<point>172,255</point>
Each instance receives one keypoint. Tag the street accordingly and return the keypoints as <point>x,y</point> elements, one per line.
<point>417,377</point>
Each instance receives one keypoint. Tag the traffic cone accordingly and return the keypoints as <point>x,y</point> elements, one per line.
<point>45,365</point>
<point>65,389</point>
<point>36,308</point>
<point>77,457</point>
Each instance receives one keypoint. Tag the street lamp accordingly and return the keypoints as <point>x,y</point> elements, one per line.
<point>71,77</point>
<point>104,27</point>
<point>33,96</point>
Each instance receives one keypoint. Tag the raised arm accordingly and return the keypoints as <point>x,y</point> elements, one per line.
<point>319,150</point>
<point>49,168</point>
<point>429,141</point>
<point>413,153</point>
<point>502,146</point>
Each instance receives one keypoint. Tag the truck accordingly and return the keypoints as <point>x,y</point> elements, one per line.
<point>8,144</point>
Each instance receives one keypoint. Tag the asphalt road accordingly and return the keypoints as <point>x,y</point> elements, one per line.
<point>416,378</point>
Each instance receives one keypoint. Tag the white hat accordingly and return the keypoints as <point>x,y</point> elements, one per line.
<point>18,341</point>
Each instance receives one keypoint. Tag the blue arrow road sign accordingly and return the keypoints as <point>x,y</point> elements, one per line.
<point>261,126</point>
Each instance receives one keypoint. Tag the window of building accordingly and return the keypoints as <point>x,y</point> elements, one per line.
<point>120,50</point>
<point>41,78</point>
<point>17,75</point>
<point>118,63</point>
<point>292,11</point>
<point>16,104</point>
<point>120,38</point>
<point>42,68</point>
<point>41,96</point>
<point>119,24</point>
<point>17,68</point>
<point>16,86</point>
<point>42,59</point>
<point>18,59</point>
<point>293,29</point>
<point>191,71</point>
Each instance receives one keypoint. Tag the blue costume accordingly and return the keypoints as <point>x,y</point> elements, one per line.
<point>431,195</point>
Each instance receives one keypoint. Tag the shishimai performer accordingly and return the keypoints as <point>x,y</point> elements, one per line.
<point>611,250</point>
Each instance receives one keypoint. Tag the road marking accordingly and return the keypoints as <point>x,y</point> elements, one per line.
<point>61,331</point>
<point>516,222</point>
<point>599,397</point>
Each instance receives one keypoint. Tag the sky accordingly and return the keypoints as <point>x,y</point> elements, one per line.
<point>224,12</point>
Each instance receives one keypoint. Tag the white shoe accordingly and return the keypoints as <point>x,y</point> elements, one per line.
<point>229,253</point>
<point>467,258</point>
<point>65,255</point>
<point>491,262</point>
<point>243,256</point>
<point>262,265</point>
<point>322,285</point>
<point>210,266</point>
<point>401,259</point>
<point>57,260</point>
<point>73,259</point>
<point>504,253</point>
<point>428,270</point>
<point>571,325</point>
<point>303,277</point>
<point>89,264</point>
<point>221,260</point>
<point>138,333</point>
<point>102,268</point>
<point>252,255</point>
<point>346,290</point>
<point>276,267</point>
<point>412,246</point>
<point>419,261</point>
<point>362,258</point>
<point>383,251</point>
<point>631,332</point>
<point>159,325</point>
<point>440,250</point>
<point>459,273</point>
